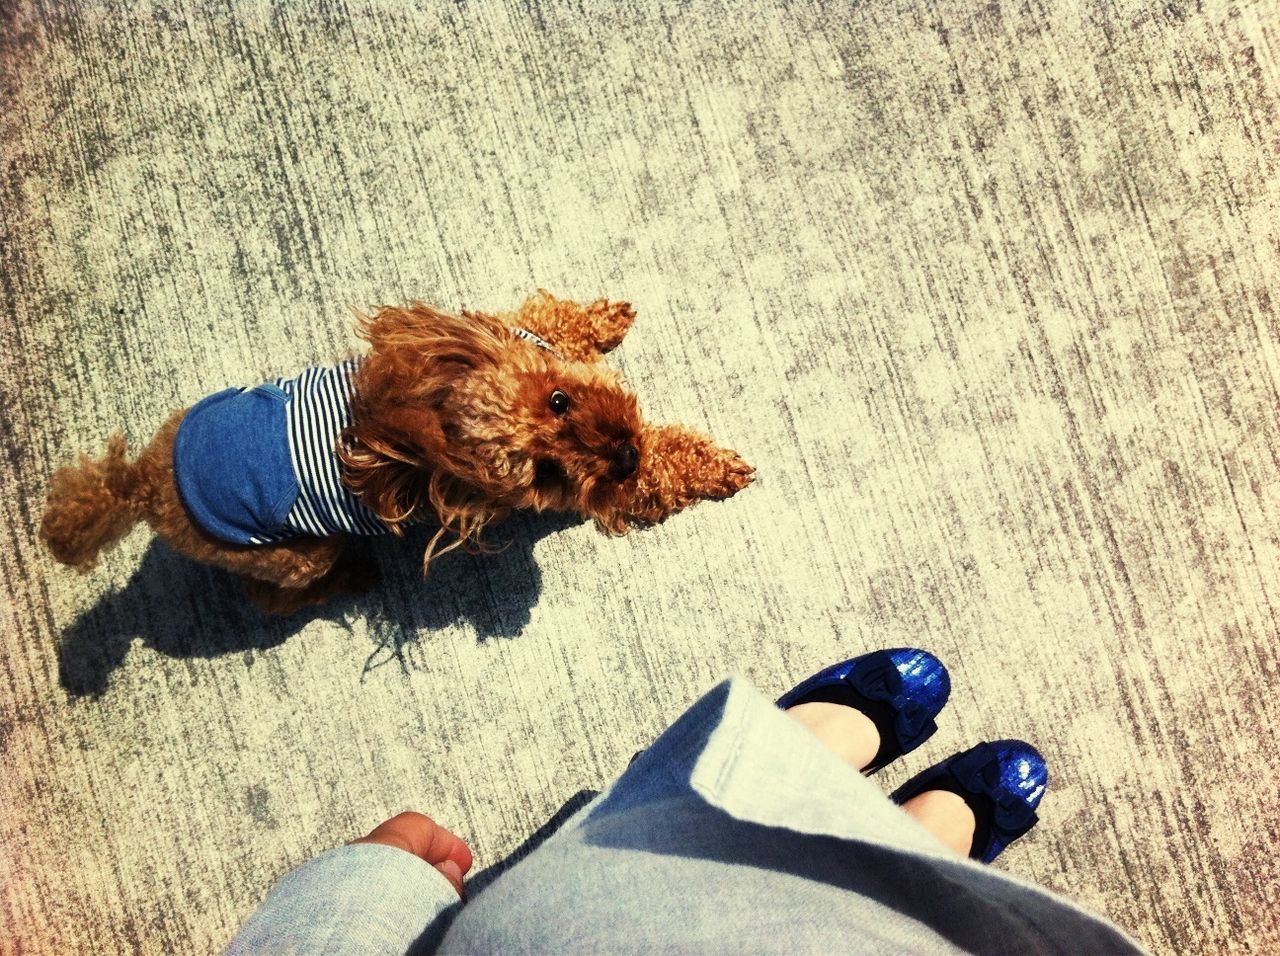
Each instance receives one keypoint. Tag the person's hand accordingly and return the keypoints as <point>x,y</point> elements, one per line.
<point>426,839</point>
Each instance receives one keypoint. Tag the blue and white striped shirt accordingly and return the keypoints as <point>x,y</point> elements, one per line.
<point>319,408</point>
<point>259,465</point>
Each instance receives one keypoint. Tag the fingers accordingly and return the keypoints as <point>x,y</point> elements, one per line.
<point>450,871</point>
<point>420,835</point>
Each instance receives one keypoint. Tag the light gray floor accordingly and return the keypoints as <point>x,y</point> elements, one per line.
<point>985,294</point>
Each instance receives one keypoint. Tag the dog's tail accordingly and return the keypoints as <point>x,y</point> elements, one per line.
<point>91,506</point>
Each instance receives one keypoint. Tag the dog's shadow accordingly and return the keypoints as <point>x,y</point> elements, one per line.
<point>184,609</point>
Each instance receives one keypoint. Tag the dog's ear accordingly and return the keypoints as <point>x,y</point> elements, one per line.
<point>417,342</point>
<point>391,481</point>
<point>402,489</point>
<point>395,456</point>
<point>405,409</point>
<point>678,467</point>
<point>417,356</point>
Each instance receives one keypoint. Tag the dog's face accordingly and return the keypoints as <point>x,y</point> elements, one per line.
<point>541,433</point>
<point>458,416</point>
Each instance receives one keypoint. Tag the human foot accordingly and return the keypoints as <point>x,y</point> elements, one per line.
<point>874,708</point>
<point>1000,784</point>
<point>848,732</point>
<point>946,816</point>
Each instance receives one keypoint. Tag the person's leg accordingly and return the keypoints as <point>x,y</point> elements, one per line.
<point>737,830</point>
<point>853,737</point>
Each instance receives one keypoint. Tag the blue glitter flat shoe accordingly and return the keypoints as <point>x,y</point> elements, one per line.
<point>901,691</point>
<point>1001,781</point>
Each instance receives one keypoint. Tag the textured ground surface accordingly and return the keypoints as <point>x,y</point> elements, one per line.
<point>985,294</point>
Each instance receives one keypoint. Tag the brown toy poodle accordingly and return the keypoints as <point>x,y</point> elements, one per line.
<point>456,420</point>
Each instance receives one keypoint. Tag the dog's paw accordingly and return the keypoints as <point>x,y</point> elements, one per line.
<point>725,475</point>
<point>610,322</point>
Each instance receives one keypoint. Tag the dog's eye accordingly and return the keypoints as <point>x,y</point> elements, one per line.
<point>559,402</point>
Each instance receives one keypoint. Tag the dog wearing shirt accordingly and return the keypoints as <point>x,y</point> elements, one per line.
<point>455,420</point>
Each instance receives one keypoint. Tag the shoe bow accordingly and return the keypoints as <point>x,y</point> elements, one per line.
<point>979,772</point>
<point>877,678</point>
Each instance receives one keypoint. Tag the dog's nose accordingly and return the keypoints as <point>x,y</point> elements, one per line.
<point>625,460</point>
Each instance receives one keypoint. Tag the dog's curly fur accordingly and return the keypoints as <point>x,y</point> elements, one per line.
<point>451,422</point>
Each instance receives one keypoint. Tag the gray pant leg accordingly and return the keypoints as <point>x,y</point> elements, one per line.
<point>738,832</point>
